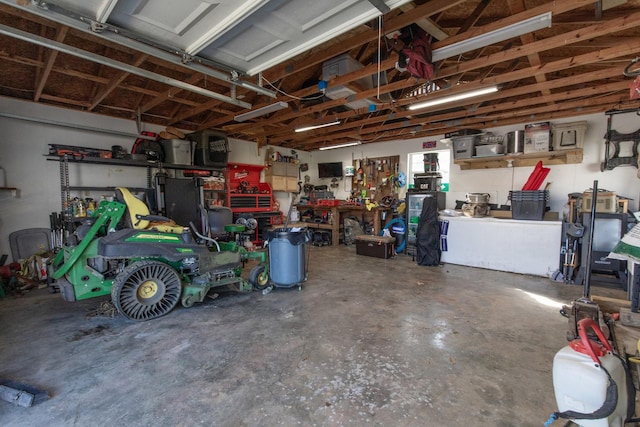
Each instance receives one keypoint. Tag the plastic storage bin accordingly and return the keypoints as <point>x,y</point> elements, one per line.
<point>529,205</point>
<point>177,151</point>
<point>606,201</point>
<point>463,147</point>
<point>489,150</point>
<point>567,136</point>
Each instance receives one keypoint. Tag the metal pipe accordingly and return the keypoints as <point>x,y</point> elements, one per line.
<point>589,256</point>
<point>51,44</point>
<point>75,126</point>
<point>129,40</point>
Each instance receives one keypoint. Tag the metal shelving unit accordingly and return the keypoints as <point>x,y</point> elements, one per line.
<point>66,188</point>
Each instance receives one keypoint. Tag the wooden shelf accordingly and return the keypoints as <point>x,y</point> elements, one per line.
<point>135,163</point>
<point>560,157</point>
<point>14,190</point>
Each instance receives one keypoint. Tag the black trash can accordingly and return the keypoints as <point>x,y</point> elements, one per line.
<point>287,266</point>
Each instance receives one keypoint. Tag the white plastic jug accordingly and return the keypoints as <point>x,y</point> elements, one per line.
<point>580,384</point>
<point>295,215</point>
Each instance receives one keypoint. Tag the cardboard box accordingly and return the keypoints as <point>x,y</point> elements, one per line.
<point>375,246</point>
<point>537,137</point>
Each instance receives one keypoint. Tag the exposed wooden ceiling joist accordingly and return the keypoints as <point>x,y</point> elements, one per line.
<point>571,68</point>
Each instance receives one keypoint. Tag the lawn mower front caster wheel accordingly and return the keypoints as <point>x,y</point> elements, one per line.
<point>259,277</point>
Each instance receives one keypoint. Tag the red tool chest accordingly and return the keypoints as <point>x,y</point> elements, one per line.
<point>245,191</point>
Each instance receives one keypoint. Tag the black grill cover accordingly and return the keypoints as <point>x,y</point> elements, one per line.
<point>428,234</point>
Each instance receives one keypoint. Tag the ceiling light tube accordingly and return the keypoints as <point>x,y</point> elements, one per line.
<point>453,98</point>
<point>501,34</point>
<point>261,111</point>
<point>348,144</point>
<point>324,125</point>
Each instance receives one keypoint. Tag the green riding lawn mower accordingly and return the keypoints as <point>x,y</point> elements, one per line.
<point>148,264</point>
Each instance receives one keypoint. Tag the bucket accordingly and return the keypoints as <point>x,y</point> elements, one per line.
<point>482,198</point>
<point>295,215</point>
<point>579,382</point>
<point>515,142</point>
<point>431,162</point>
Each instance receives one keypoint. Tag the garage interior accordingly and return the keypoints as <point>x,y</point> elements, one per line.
<point>363,212</point>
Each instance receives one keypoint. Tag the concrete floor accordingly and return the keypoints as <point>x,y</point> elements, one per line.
<point>366,342</point>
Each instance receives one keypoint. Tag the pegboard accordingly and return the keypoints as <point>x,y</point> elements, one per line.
<point>374,177</point>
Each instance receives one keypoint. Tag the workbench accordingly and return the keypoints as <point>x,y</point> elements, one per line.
<point>338,213</point>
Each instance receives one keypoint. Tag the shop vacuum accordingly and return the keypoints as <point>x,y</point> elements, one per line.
<point>592,384</point>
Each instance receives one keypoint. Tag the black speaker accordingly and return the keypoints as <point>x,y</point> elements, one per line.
<point>211,148</point>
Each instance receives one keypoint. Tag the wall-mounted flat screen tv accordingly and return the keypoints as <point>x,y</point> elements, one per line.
<point>330,170</point>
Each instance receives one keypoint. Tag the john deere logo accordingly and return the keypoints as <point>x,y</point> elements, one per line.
<point>184,250</point>
<point>155,237</point>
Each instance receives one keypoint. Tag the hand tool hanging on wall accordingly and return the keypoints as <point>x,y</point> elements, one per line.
<point>372,165</point>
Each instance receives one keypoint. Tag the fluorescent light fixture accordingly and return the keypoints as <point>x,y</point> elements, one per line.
<point>453,98</point>
<point>348,144</point>
<point>495,36</point>
<point>324,125</point>
<point>261,111</point>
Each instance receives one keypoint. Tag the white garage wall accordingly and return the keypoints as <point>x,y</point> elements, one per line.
<point>564,179</point>
<point>24,144</point>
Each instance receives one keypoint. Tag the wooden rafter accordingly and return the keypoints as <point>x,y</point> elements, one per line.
<point>115,82</point>
<point>61,33</point>
<point>574,67</point>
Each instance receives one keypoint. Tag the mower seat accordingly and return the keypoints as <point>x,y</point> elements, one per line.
<point>217,218</point>
<point>139,216</point>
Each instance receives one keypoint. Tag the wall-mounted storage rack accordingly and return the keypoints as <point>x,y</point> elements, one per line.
<point>559,157</point>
